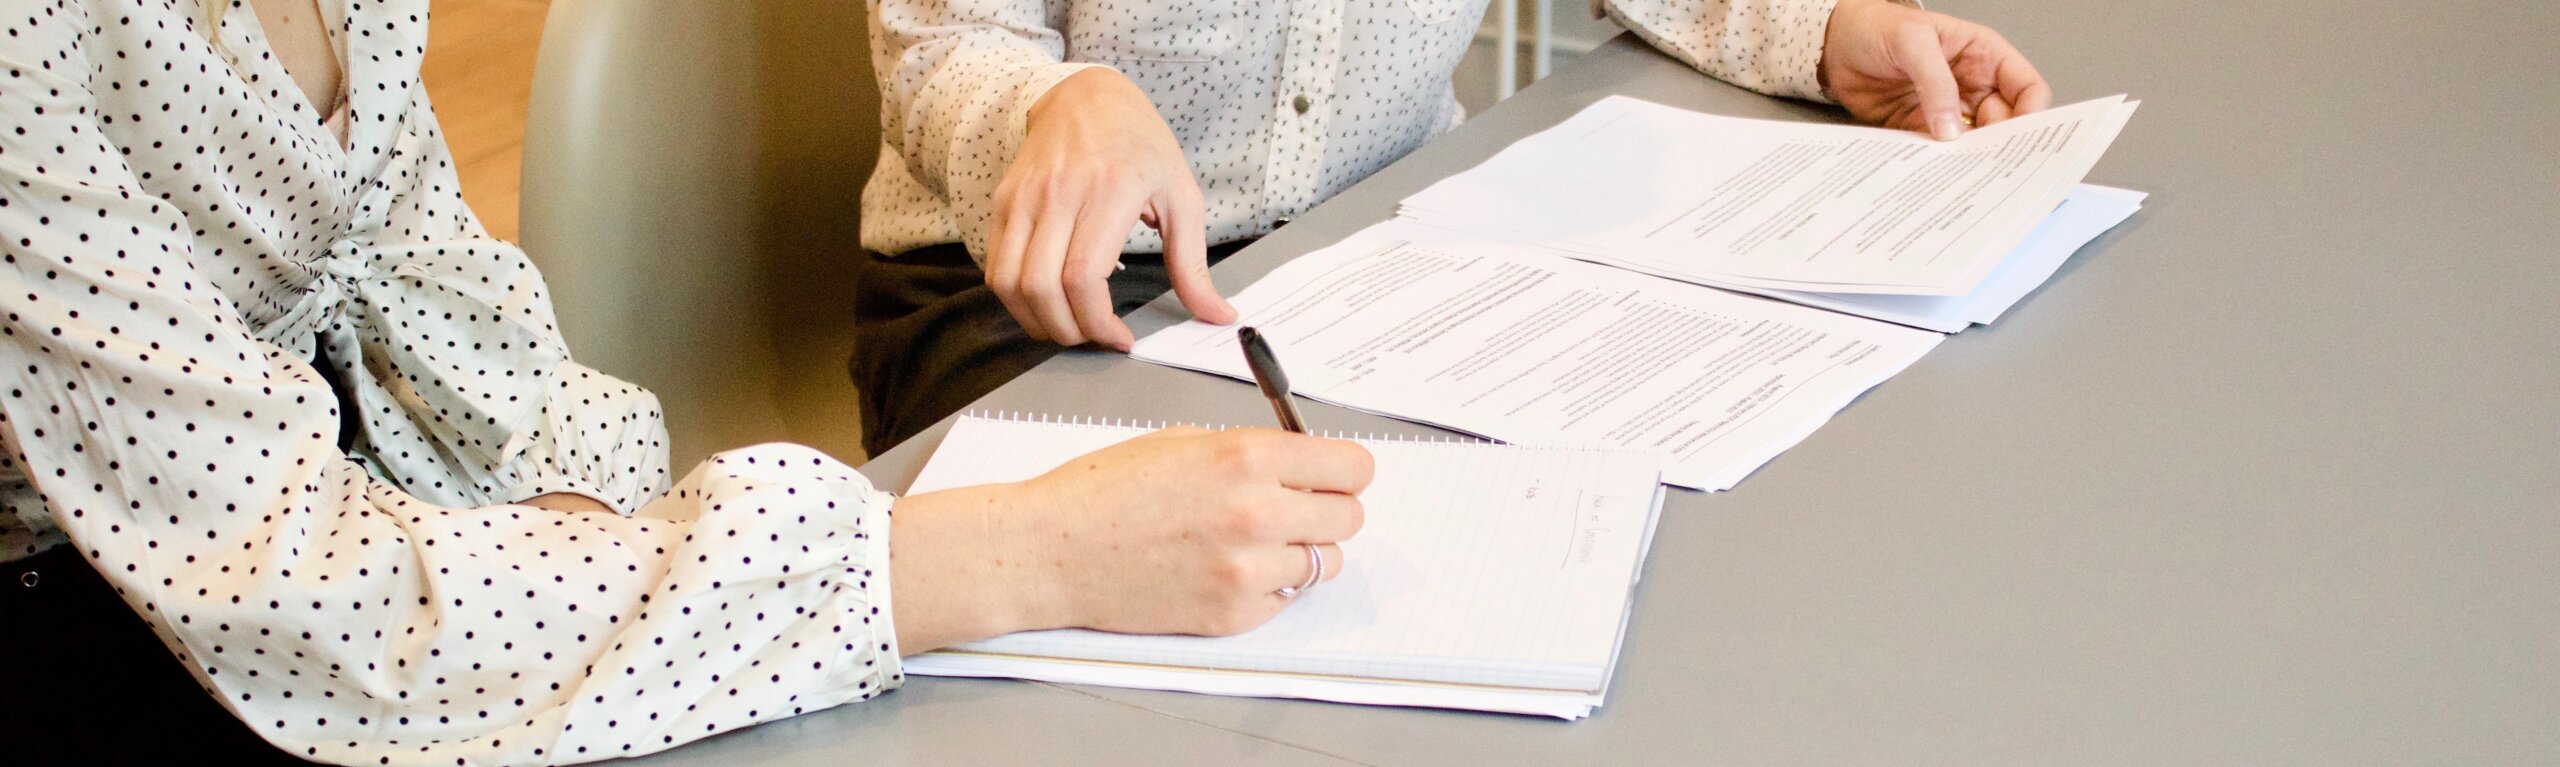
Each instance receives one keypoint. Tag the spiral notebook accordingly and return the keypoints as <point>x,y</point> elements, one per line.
<point>1487,577</point>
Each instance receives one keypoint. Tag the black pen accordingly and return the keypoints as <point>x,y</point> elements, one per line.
<point>1266,373</point>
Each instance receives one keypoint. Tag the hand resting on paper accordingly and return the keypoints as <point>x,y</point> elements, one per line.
<point>1907,68</point>
<point>1182,531</point>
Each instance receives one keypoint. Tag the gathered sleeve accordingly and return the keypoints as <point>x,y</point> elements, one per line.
<point>958,79</point>
<point>1770,46</point>
<point>342,617</point>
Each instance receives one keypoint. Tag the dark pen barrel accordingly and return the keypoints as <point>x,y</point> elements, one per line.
<point>1267,374</point>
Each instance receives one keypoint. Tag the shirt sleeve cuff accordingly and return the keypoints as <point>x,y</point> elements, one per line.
<point>1798,26</point>
<point>541,483</point>
<point>876,668</point>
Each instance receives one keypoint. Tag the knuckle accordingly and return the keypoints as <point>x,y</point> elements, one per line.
<point>1236,454</point>
<point>1229,573</point>
<point>1249,521</point>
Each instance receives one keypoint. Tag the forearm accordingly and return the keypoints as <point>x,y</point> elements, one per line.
<point>956,577</point>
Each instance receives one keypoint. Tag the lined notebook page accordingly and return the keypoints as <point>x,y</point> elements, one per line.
<point>1479,564</point>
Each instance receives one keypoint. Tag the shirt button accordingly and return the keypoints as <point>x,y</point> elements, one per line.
<point>1301,103</point>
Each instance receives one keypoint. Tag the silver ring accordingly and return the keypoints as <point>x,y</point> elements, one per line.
<point>1315,573</point>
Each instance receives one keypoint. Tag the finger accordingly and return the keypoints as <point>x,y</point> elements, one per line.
<point>1102,230</point>
<point>1010,235</point>
<point>1989,67</point>
<point>1186,256</point>
<point>1304,462</point>
<point>2019,82</point>
<point>1919,56</point>
<point>1992,110</point>
<point>1287,567</point>
<point>1042,264</point>
<point>1297,516</point>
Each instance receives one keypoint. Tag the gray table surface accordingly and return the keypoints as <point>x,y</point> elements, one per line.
<point>2266,475</point>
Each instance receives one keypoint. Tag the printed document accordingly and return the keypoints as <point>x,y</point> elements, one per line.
<point>1778,205</point>
<point>2090,211</point>
<point>1512,343</point>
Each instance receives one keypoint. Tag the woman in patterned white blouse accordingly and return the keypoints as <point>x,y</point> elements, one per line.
<point>1025,139</point>
<point>264,376</point>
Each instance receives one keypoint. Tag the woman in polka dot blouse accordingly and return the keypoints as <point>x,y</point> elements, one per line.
<point>1025,139</point>
<point>269,393</point>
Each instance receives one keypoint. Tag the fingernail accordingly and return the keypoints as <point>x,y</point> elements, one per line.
<point>1945,127</point>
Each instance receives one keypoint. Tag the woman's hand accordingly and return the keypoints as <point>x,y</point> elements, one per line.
<point>1906,68</point>
<point>1183,531</point>
<point>1095,162</point>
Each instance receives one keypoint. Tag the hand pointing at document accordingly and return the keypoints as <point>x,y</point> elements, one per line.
<point>1097,162</point>
<point>1902,67</point>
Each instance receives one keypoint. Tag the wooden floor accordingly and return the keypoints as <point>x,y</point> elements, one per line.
<point>479,71</point>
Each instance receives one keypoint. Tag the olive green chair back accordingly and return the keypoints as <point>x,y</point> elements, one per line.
<point>692,174</point>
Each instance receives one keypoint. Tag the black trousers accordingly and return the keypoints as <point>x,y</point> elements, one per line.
<point>84,681</point>
<point>930,338</point>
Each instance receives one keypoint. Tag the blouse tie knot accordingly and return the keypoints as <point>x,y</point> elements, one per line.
<point>457,335</point>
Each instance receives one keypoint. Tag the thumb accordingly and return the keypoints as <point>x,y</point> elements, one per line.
<point>1919,56</point>
<point>1186,260</point>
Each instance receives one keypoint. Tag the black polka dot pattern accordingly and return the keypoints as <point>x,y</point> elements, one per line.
<point>1278,106</point>
<point>184,236</point>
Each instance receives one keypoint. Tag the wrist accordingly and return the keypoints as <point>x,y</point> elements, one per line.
<point>1841,18</point>
<point>962,569</point>
<point>1027,547</point>
<point>1079,88</point>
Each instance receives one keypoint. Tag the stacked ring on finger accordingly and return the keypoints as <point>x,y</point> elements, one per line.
<point>1315,573</point>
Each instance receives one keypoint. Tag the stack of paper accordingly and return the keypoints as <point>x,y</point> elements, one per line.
<point>2090,211</point>
<point>1782,206</point>
<point>1513,343</point>
<point>1487,577</point>
<point>1506,301</point>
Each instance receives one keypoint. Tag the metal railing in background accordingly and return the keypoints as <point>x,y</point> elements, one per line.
<point>1546,40</point>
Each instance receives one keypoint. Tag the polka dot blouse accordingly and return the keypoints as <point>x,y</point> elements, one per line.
<point>181,240</point>
<point>1277,105</point>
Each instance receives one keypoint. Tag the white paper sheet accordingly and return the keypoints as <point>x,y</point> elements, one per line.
<point>1515,344</point>
<point>1778,205</point>
<point>2090,211</point>
<point>1562,705</point>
